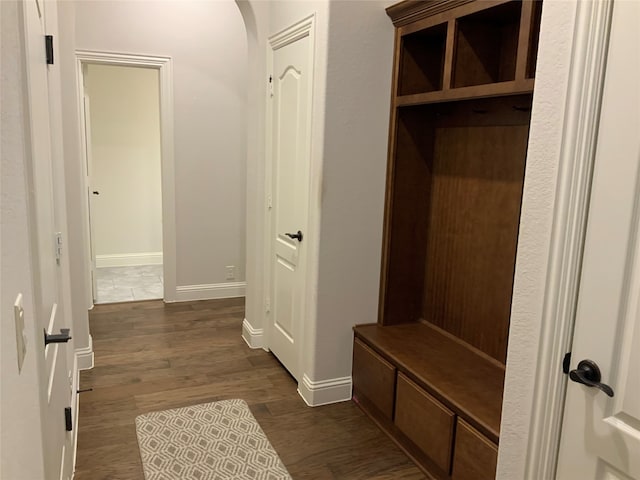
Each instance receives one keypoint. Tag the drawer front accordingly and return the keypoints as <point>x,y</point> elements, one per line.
<point>374,378</point>
<point>425,421</point>
<point>476,457</point>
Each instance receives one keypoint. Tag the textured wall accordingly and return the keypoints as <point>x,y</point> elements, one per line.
<point>358,90</point>
<point>556,40</point>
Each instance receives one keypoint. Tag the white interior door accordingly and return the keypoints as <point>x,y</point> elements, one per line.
<point>55,386</point>
<point>290,154</point>
<point>600,433</point>
<point>86,109</point>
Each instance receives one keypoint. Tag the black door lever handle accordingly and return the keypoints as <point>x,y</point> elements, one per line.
<point>588,373</point>
<point>297,236</point>
<point>62,337</point>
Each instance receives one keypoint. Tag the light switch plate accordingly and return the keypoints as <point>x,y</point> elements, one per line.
<point>21,341</point>
<point>231,272</point>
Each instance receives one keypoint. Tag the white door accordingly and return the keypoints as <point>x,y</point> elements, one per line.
<point>290,154</point>
<point>601,433</point>
<point>91,193</point>
<point>52,360</point>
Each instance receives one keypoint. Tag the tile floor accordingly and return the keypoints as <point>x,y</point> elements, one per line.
<point>128,284</point>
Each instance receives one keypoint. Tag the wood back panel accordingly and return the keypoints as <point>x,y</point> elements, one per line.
<point>458,177</point>
<point>474,214</point>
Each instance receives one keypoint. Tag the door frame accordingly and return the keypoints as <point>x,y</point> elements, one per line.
<point>302,28</point>
<point>164,67</point>
<point>569,218</point>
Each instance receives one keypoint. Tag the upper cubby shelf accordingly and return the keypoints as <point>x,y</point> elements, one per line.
<point>486,46</point>
<point>474,50</point>
<point>422,60</point>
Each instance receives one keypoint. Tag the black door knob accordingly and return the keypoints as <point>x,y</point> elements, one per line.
<point>95,192</point>
<point>297,236</point>
<point>588,373</point>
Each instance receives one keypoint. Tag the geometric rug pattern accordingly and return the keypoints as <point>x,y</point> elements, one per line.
<point>212,441</point>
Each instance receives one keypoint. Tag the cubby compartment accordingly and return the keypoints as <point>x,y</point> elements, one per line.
<point>422,60</point>
<point>457,185</point>
<point>486,46</point>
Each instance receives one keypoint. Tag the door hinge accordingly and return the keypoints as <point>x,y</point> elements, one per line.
<point>566,362</point>
<point>271,85</point>
<point>267,305</point>
<point>58,246</point>
<point>269,202</point>
<point>68,421</point>
<point>48,47</point>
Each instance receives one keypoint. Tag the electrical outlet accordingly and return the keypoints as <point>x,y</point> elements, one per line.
<point>231,272</point>
<point>21,340</point>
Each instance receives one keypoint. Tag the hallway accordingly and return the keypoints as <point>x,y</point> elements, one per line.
<point>153,356</point>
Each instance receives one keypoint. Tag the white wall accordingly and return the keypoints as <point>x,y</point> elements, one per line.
<point>21,451</point>
<point>256,20</point>
<point>359,67</point>
<point>126,217</point>
<point>208,46</point>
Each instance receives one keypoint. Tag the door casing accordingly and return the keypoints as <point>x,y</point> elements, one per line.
<point>164,67</point>
<point>576,145</point>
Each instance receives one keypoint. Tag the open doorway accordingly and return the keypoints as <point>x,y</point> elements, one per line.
<point>126,111</point>
<point>122,120</point>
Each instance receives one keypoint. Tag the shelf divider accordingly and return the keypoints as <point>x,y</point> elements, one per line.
<point>448,54</point>
<point>526,20</point>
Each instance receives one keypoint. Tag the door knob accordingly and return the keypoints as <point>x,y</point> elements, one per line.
<point>62,337</point>
<point>297,236</point>
<point>95,192</point>
<point>588,374</point>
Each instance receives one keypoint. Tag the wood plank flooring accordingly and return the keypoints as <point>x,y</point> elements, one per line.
<point>150,356</point>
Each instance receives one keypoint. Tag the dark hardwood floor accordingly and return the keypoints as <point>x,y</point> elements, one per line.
<point>150,356</point>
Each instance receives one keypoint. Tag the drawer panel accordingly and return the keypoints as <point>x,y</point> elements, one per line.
<point>374,378</point>
<point>425,421</point>
<point>476,457</point>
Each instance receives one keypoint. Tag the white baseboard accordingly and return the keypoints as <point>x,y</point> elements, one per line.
<point>186,293</point>
<point>84,356</point>
<point>253,336</point>
<point>324,392</point>
<point>129,259</point>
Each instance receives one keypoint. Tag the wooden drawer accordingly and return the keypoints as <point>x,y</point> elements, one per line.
<point>374,378</point>
<point>476,457</point>
<point>425,421</point>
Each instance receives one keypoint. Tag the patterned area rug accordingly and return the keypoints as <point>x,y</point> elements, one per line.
<point>212,441</point>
